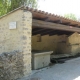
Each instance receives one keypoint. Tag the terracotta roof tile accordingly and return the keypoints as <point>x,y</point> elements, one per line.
<point>42,15</point>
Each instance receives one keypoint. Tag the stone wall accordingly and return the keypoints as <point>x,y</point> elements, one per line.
<point>11,65</point>
<point>12,40</point>
<point>54,43</point>
<point>74,43</point>
<point>60,44</point>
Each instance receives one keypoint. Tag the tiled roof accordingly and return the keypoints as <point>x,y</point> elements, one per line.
<point>42,15</point>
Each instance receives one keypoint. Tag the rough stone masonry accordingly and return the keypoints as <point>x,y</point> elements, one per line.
<point>15,45</point>
<point>11,65</point>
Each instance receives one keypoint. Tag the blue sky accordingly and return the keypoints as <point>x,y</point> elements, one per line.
<point>60,7</point>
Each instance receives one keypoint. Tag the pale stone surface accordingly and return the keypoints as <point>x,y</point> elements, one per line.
<point>27,22</point>
<point>11,65</point>
<point>18,39</point>
<point>60,44</point>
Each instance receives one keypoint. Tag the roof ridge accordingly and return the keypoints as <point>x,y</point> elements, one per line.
<point>42,12</point>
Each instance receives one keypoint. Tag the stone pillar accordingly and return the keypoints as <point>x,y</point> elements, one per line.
<point>27,31</point>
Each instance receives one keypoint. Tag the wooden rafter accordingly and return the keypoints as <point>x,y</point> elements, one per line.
<point>50,25</point>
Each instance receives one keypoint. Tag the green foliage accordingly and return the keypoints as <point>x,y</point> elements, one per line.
<point>9,5</point>
<point>3,6</point>
<point>70,16</point>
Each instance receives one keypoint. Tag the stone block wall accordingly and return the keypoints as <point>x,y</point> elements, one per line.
<point>60,44</point>
<point>74,43</point>
<point>53,43</point>
<point>27,33</point>
<point>15,45</point>
<point>11,65</point>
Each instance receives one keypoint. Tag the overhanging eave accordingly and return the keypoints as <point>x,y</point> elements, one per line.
<point>51,25</point>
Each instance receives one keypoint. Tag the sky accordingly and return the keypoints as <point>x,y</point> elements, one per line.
<point>60,7</point>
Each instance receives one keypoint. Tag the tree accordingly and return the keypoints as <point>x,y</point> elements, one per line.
<point>70,16</point>
<point>17,3</point>
<point>3,6</point>
<point>9,5</point>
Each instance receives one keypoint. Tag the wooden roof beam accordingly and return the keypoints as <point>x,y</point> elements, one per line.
<point>61,33</point>
<point>41,31</point>
<point>43,19</point>
<point>75,25</point>
<point>66,23</point>
<point>38,30</point>
<point>47,32</point>
<point>50,25</point>
<point>57,21</point>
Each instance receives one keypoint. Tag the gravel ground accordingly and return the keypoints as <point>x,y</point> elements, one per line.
<point>70,70</point>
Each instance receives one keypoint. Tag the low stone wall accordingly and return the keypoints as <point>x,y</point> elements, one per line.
<point>11,65</point>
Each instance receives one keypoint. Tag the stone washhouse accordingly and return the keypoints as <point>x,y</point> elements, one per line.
<point>25,30</point>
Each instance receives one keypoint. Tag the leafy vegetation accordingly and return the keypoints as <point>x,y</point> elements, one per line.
<point>70,16</point>
<point>9,5</point>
